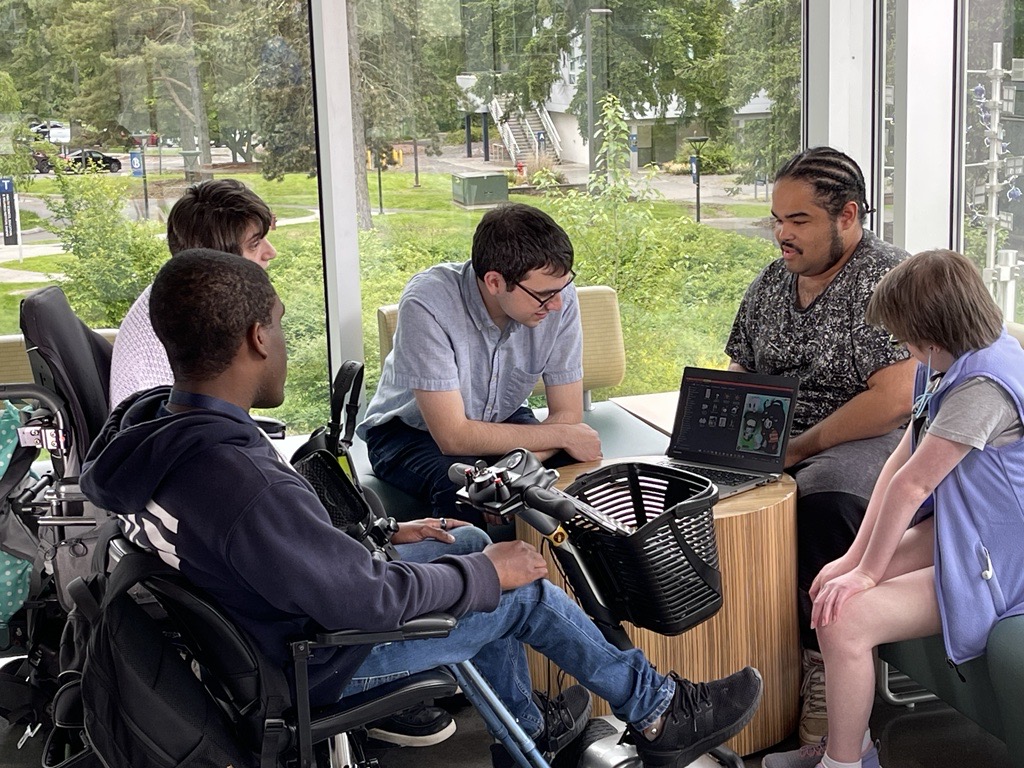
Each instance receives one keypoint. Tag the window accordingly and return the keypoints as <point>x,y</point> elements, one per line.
<point>215,90</point>
<point>466,89</point>
<point>993,141</point>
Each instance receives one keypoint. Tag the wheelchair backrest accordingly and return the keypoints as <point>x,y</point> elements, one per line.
<point>70,359</point>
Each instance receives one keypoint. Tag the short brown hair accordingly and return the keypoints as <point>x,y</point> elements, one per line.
<point>216,214</point>
<point>515,239</point>
<point>938,297</point>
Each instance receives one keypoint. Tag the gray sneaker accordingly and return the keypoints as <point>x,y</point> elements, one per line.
<point>810,757</point>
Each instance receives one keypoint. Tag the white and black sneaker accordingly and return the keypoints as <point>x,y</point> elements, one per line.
<point>419,726</point>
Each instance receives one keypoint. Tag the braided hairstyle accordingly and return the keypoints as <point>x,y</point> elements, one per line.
<point>835,177</point>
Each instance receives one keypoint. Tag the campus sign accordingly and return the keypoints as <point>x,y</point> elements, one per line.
<point>8,210</point>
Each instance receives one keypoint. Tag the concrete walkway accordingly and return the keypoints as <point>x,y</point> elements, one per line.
<point>12,254</point>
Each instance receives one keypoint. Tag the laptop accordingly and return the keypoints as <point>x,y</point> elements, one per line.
<point>733,427</point>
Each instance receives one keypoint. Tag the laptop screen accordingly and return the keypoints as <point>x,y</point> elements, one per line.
<point>733,419</point>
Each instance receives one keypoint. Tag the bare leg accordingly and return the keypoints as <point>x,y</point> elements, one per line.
<point>916,550</point>
<point>901,607</point>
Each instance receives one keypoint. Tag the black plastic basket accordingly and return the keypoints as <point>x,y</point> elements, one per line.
<point>664,576</point>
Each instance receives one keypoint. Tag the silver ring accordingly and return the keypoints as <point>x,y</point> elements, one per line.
<point>444,524</point>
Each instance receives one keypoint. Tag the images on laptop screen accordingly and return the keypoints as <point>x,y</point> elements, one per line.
<point>733,419</point>
<point>764,418</point>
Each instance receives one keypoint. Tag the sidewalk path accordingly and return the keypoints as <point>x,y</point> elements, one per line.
<point>11,254</point>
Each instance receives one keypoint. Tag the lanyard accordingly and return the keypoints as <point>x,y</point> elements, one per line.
<point>209,403</point>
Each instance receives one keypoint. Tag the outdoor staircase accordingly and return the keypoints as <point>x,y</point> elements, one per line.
<point>519,129</point>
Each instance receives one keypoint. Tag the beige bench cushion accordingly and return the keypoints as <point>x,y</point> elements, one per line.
<point>1017,331</point>
<point>604,354</point>
<point>14,367</point>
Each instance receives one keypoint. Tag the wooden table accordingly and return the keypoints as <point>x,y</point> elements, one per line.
<point>757,625</point>
<point>658,409</point>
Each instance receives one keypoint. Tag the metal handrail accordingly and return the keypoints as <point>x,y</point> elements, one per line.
<point>529,129</point>
<point>549,129</point>
<point>507,137</point>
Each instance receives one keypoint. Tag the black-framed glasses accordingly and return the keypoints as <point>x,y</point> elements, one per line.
<point>546,296</point>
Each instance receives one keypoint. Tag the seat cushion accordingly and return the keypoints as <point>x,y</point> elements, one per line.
<point>924,661</point>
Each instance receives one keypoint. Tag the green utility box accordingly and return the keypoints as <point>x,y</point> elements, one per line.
<point>479,189</point>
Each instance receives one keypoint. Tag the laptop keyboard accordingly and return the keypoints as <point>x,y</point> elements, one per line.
<point>718,476</point>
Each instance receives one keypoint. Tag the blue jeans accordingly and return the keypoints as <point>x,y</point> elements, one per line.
<point>410,459</point>
<point>467,539</point>
<point>544,617</point>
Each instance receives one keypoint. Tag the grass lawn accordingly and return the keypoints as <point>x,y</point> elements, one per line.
<point>11,295</point>
<point>30,220</point>
<point>48,265</point>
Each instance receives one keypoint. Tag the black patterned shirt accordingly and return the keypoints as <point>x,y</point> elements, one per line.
<point>826,345</point>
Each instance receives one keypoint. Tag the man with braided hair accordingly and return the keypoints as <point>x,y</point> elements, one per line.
<point>803,316</point>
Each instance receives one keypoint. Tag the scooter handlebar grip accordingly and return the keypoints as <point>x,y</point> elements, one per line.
<point>550,502</point>
<point>457,473</point>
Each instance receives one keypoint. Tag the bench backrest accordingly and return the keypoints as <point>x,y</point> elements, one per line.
<point>604,353</point>
<point>14,365</point>
<point>1017,331</point>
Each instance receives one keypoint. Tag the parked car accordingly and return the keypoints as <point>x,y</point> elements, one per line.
<point>86,159</point>
<point>41,128</point>
<point>41,162</point>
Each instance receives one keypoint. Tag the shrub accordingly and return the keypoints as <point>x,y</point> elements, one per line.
<point>716,157</point>
<point>386,265</point>
<point>298,277</point>
<point>457,137</point>
<point>115,258</point>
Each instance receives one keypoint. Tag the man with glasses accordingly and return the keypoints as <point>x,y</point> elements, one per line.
<point>472,341</point>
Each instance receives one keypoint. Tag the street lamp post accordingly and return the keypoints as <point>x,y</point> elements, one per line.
<point>471,104</point>
<point>697,144</point>
<point>377,142</point>
<point>588,46</point>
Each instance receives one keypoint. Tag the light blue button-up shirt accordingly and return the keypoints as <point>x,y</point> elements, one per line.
<point>445,340</point>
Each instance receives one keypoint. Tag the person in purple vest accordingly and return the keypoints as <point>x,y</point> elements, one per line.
<point>953,480</point>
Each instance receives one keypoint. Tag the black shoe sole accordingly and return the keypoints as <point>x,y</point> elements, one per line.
<point>679,758</point>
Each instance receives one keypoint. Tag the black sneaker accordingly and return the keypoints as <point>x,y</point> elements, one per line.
<point>565,717</point>
<point>701,717</point>
<point>419,726</point>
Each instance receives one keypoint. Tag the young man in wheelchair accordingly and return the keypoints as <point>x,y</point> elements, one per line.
<point>192,478</point>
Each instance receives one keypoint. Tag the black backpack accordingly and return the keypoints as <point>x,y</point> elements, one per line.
<point>326,463</point>
<point>130,698</point>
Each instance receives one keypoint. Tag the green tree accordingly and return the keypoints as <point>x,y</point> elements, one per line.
<point>279,86</point>
<point>30,53</point>
<point>138,64</point>
<point>764,41</point>
<point>654,56</point>
<point>15,155</point>
<point>678,282</point>
<point>405,57</point>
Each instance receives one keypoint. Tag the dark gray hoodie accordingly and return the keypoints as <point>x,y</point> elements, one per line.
<point>211,495</point>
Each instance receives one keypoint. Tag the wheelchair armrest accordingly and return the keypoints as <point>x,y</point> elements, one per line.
<point>274,428</point>
<point>426,626</point>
